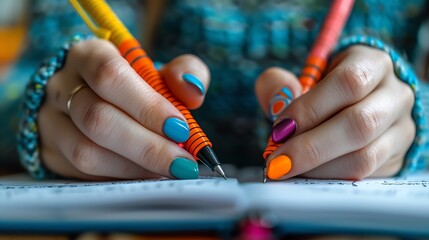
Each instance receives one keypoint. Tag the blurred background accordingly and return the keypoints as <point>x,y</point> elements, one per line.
<point>237,39</point>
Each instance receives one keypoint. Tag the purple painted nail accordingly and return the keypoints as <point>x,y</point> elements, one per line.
<point>283,130</point>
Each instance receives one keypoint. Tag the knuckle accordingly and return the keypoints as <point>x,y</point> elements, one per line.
<point>396,166</point>
<point>88,47</point>
<point>149,155</point>
<point>84,157</point>
<point>366,163</point>
<point>95,120</point>
<point>151,109</point>
<point>357,78</point>
<point>109,74</point>
<point>384,59</point>
<point>54,84</point>
<point>408,97</point>
<point>310,152</point>
<point>308,115</point>
<point>77,50</point>
<point>364,123</point>
<point>411,133</point>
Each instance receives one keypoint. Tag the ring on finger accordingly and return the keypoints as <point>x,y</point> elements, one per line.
<point>73,93</point>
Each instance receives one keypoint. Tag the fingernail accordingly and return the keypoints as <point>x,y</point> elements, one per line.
<point>176,129</point>
<point>283,130</point>
<point>190,78</point>
<point>158,65</point>
<point>182,168</point>
<point>278,167</point>
<point>279,103</point>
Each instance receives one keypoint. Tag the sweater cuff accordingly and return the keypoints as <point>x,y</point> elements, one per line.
<point>28,134</point>
<point>413,161</point>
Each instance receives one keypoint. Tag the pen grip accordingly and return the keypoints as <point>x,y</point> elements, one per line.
<point>143,65</point>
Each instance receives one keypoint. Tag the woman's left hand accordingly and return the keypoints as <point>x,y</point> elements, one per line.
<point>354,124</point>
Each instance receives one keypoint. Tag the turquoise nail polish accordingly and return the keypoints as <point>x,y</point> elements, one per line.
<point>190,78</point>
<point>176,129</point>
<point>158,65</point>
<point>182,168</point>
<point>287,92</point>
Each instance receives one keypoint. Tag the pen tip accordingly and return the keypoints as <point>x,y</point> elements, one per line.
<point>218,169</point>
<point>264,180</point>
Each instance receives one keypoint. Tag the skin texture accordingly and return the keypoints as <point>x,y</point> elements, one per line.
<point>115,126</point>
<point>354,124</point>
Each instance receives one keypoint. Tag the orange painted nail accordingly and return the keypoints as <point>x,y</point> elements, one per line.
<point>278,167</point>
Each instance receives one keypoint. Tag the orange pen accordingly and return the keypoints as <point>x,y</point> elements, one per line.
<point>316,61</point>
<point>111,28</point>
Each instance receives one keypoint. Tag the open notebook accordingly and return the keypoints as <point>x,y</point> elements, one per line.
<point>387,206</point>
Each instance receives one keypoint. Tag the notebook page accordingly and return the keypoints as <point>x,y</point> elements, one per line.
<point>150,205</point>
<point>162,193</point>
<point>390,204</point>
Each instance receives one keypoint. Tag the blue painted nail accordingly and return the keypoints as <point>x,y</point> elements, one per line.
<point>279,103</point>
<point>182,168</point>
<point>190,78</point>
<point>176,129</point>
<point>158,65</point>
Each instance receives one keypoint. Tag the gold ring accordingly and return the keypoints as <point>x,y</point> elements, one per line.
<point>73,93</point>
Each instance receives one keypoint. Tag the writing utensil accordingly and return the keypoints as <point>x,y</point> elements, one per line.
<point>316,61</point>
<point>111,28</point>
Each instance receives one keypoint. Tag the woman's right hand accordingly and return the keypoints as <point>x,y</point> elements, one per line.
<point>118,126</point>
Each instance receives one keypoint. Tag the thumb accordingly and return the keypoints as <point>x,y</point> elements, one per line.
<point>188,78</point>
<point>275,89</point>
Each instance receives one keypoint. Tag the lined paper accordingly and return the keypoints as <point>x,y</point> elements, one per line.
<point>389,205</point>
<point>161,193</point>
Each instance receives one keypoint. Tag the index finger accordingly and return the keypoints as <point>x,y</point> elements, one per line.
<point>360,72</point>
<point>112,78</point>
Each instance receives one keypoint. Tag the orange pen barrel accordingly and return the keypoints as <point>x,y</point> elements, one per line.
<point>271,147</point>
<point>141,63</point>
<point>312,73</point>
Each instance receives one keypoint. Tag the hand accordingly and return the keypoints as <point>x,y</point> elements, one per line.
<point>355,123</point>
<point>118,126</point>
